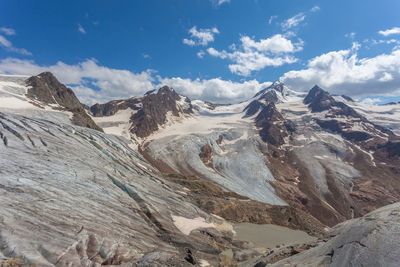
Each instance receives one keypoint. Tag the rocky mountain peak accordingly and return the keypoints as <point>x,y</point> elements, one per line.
<point>46,89</point>
<point>315,93</point>
<point>155,108</point>
<point>276,86</point>
<point>318,99</point>
<point>166,89</point>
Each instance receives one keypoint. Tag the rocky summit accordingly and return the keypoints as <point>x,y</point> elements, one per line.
<point>163,180</point>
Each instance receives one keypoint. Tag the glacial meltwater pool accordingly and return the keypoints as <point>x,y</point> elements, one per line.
<point>270,235</point>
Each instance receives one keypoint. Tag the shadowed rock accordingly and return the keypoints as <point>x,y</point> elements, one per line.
<point>48,90</point>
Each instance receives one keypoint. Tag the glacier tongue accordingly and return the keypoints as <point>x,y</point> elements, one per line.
<point>237,162</point>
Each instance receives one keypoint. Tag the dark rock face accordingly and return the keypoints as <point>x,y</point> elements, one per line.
<point>276,86</point>
<point>265,96</point>
<point>348,98</point>
<point>47,89</point>
<point>110,108</point>
<point>392,148</point>
<point>206,153</point>
<point>271,97</point>
<point>253,108</point>
<point>272,123</point>
<point>154,111</point>
<point>319,100</point>
<point>339,127</point>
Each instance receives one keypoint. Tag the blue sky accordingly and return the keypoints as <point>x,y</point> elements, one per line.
<point>217,50</point>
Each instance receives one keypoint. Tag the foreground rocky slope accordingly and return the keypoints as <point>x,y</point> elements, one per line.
<point>372,240</point>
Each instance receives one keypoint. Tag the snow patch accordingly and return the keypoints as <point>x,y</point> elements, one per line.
<point>186,225</point>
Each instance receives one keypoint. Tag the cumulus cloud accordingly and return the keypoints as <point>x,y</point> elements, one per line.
<point>201,37</point>
<point>343,72</point>
<point>255,55</point>
<point>81,29</point>
<point>201,54</point>
<point>216,90</point>
<point>293,21</point>
<point>7,31</point>
<point>94,83</point>
<point>395,30</point>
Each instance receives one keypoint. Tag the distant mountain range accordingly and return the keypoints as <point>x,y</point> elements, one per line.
<point>112,183</point>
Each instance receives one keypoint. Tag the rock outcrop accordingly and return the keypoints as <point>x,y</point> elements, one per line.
<point>49,91</point>
<point>155,109</point>
<point>373,240</point>
<point>149,112</point>
<point>112,107</point>
<point>272,124</point>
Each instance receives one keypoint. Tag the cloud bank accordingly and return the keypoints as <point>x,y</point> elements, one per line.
<point>94,83</point>
<point>343,72</point>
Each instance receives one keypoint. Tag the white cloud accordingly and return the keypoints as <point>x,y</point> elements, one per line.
<point>189,42</point>
<point>256,55</point>
<point>7,31</point>
<point>343,72</point>
<point>350,35</point>
<point>219,2</point>
<point>271,19</point>
<point>116,83</point>
<point>293,21</point>
<point>315,9</point>
<point>9,47</point>
<point>4,42</point>
<point>371,101</point>
<point>216,90</point>
<point>395,30</point>
<point>113,83</point>
<point>146,56</point>
<point>201,54</point>
<point>81,29</point>
<point>201,37</point>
